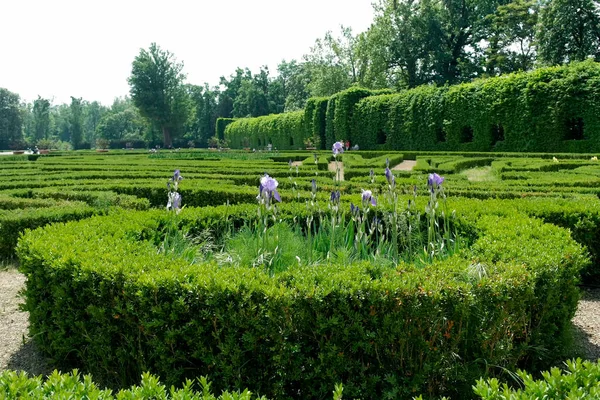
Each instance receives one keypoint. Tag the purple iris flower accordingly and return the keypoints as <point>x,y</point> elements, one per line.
<point>390,177</point>
<point>434,181</point>
<point>176,201</point>
<point>335,197</point>
<point>367,196</point>
<point>177,176</point>
<point>268,188</point>
<point>338,148</point>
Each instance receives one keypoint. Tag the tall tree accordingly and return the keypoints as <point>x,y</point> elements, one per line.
<point>397,50</point>
<point>157,90</point>
<point>332,63</point>
<point>512,34</point>
<point>76,122</point>
<point>41,119</point>
<point>201,126</point>
<point>290,85</point>
<point>569,31</point>
<point>92,114</point>
<point>231,87</point>
<point>11,132</point>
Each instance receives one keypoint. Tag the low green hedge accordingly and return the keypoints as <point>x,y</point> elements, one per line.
<point>14,222</point>
<point>581,379</point>
<point>100,296</point>
<point>72,385</point>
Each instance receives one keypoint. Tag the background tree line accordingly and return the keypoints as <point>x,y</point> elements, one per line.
<point>409,43</point>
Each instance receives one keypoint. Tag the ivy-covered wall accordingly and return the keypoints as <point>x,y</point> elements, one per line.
<point>281,131</point>
<point>545,110</point>
<point>221,125</point>
<point>314,119</point>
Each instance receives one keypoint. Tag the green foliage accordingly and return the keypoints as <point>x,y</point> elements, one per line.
<point>282,131</point>
<point>221,125</point>
<point>580,380</point>
<point>383,332</point>
<point>555,114</point>
<point>11,136</point>
<point>41,115</point>
<point>157,90</point>
<point>314,119</point>
<point>568,31</point>
<point>15,385</point>
<point>76,123</point>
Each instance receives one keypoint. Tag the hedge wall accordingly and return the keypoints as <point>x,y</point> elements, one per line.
<point>282,131</point>
<point>314,119</point>
<point>100,296</point>
<point>545,110</point>
<point>221,124</point>
<point>549,109</point>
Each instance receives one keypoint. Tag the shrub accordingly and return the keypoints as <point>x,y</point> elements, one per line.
<point>101,287</point>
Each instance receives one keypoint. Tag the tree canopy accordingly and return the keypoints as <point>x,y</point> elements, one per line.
<point>157,90</point>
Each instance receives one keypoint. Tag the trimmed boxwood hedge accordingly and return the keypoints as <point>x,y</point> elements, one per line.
<point>101,297</point>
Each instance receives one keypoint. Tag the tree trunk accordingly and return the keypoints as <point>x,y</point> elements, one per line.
<point>166,137</point>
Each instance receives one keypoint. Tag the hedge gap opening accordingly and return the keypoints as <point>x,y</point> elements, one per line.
<point>466,134</point>
<point>574,129</point>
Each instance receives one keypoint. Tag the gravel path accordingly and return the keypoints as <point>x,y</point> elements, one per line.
<point>18,352</point>
<point>332,167</point>
<point>406,165</point>
<point>587,324</point>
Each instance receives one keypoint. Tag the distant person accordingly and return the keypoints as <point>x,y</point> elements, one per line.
<point>355,147</point>
<point>347,145</point>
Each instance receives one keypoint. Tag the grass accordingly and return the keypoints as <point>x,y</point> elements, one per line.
<point>480,174</point>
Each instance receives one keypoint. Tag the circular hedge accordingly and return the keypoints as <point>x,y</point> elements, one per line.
<point>101,297</point>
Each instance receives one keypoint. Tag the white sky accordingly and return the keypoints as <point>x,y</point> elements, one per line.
<point>62,48</point>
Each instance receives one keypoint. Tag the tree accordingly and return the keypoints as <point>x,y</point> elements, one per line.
<point>231,88</point>
<point>76,122</point>
<point>41,119</point>
<point>157,90</point>
<point>92,115</point>
<point>121,125</point>
<point>397,50</point>
<point>332,63</point>
<point>11,133</point>
<point>512,34</point>
<point>204,114</point>
<point>290,85</point>
<point>252,98</point>
<point>569,31</point>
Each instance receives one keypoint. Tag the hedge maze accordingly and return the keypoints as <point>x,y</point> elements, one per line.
<point>106,296</point>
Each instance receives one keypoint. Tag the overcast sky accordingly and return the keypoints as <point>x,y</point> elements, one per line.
<point>62,48</point>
